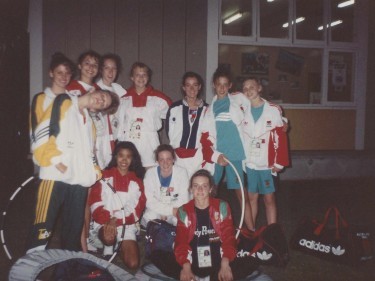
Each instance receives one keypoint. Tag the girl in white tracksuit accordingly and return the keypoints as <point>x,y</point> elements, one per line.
<point>141,112</point>
<point>266,148</point>
<point>110,68</point>
<point>67,168</point>
<point>166,187</point>
<point>60,72</point>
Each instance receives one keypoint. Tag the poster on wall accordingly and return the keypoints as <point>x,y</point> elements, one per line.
<point>289,62</point>
<point>255,63</point>
<point>339,75</point>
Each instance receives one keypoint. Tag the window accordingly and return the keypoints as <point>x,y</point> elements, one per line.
<point>302,51</point>
<point>309,17</point>
<point>288,75</point>
<point>342,20</point>
<point>236,17</point>
<point>274,19</point>
<point>340,77</point>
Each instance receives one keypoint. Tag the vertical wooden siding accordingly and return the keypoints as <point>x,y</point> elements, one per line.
<point>168,35</point>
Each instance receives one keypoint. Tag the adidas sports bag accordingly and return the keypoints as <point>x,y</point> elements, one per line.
<point>267,244</point>
<point>334,242</point>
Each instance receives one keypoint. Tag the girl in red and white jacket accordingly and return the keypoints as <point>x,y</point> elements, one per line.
<point>266,148</point>
<point>141,112</point>
<point>205,243</point>
<point>121,188</point>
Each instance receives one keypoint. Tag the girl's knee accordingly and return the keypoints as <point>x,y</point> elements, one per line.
<point>131,262</point>
<point>269,199</point>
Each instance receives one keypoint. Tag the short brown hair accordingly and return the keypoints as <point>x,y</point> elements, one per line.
<point>202,173</point>
<point>115,102</point>
<point>164,147</point>
<point>141,65</point>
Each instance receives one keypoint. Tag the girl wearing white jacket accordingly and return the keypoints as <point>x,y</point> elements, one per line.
<point>166,187</point>
<point>222,136</point>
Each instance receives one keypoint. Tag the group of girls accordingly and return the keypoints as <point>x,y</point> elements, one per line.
<point>140,181</point>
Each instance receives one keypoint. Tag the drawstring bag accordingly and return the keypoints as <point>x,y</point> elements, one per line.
<point>160,235</point>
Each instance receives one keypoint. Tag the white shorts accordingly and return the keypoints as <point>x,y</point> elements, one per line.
<point>130,234</point>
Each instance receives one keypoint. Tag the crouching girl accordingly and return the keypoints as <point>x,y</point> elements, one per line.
<point>119,194</point>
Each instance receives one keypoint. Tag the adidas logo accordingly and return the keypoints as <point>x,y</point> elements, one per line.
<point>264,256</point>
<point>317,246</point>
<point>43,234</point>
<point>242,253</point>
<point>338,251</point>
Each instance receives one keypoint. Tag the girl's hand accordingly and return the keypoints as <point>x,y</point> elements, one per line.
<point>225,273</point>
<point>110,231</point>
<point>186,273</point>
<point>275,170</point>
<point>221,160</point>
<point>61,167</point>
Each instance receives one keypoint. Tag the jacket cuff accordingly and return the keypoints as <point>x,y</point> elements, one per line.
<point>215,156</point>
<point>278,166</point>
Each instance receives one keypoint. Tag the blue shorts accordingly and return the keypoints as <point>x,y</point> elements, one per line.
<point>260,181</point>
<point>231,177</point>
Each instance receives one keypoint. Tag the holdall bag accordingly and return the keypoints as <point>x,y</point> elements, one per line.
<point>363,242</point>
<point>335,243</point>
<point>268,245</point>
<point>160,235</point>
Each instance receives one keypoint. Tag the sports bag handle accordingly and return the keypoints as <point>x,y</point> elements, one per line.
<point>338,219</point>
<point>252,235</point>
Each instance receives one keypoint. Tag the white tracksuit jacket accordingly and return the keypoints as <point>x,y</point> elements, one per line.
<point>179,194</point>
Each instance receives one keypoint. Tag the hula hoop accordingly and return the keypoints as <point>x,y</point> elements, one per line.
<point>2,230</point>
<point>243,197</point>
<point>123,218</point>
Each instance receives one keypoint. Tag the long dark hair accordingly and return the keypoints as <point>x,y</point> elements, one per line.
<point>135,165</point>
<point>191,74</point>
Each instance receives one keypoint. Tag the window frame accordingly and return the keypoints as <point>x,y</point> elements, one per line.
<point>326,45</point>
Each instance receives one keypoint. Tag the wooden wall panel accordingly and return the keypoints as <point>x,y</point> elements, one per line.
<point>168,35</point>
<point>321,129</point>
<point>54,30</point>
<point>173,47</point>
<point>102,26</point>
<point>196,37</point>
<point>78,28</point>
<point>127,36</point>
<point>151,38</point>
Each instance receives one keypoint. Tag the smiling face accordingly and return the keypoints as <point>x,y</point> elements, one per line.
<point>140,78</point>
<point>89,69</point>
<point>123,160</point>
<point>222,86</point>
<point>165,160</point>
<point>191,87</point>
<point>109,71</point>
<point>99,101</point>
<point>251,88</point>
<point>61,76</point>
<point>200,187</point>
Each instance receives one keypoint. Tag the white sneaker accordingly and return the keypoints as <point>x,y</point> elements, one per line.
<point>108,251</point>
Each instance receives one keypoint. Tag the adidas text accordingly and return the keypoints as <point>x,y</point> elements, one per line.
<point>315,246</point>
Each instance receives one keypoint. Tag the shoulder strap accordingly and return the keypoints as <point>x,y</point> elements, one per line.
<point>54,128</point>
